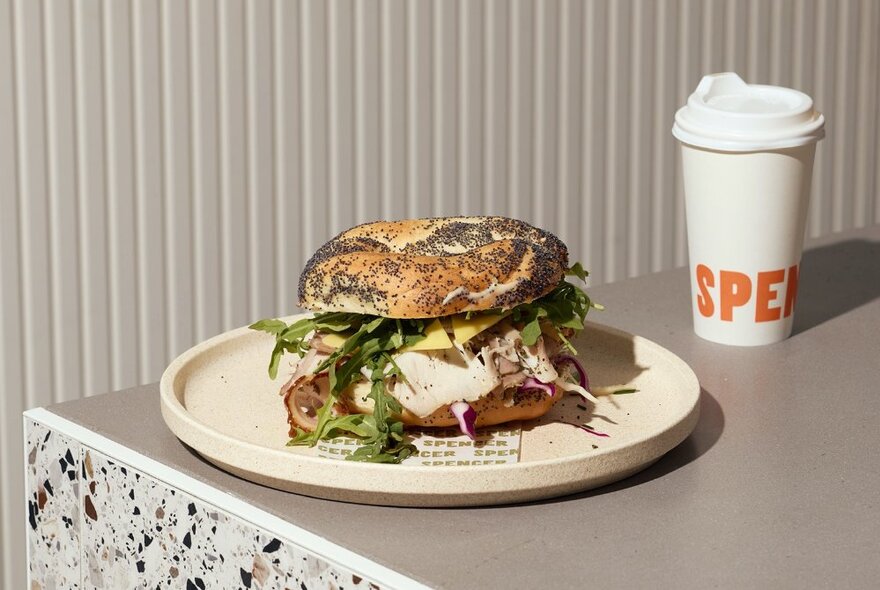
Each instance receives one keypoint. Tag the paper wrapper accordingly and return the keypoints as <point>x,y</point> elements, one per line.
<point>446,447</point>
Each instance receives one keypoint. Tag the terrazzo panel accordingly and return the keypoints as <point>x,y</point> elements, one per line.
<point>52,480</point>
<point>137,532</point>
<point>96,523</point>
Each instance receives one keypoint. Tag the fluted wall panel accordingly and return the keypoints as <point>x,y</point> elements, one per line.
<point>166,167</point>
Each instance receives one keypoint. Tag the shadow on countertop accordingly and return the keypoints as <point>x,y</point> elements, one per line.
<point>835,279</point>
<point>705,435</point>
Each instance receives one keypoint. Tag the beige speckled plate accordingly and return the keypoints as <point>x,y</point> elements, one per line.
<point>218,399</point>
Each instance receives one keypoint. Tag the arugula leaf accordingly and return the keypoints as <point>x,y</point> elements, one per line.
<point>336,321</point>
<point>566,306</point>
<point>370,347</point>
<point>273,327</point>
<point>532,330</point>
<point>381,433</point>
<point>623,391</point>
<point>360,425</point>
<point>577,270</point>
<point>277,353</point>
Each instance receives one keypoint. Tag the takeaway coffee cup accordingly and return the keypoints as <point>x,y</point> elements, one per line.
<point>747,154</point>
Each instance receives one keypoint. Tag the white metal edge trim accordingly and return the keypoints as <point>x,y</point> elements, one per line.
<point>306,540</point>
<point>27,524</point>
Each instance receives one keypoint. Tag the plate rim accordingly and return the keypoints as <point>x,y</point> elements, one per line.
<point>363,483</point>
<point>174,409</point>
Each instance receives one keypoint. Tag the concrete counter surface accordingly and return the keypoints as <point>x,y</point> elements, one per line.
<point>778,486</point>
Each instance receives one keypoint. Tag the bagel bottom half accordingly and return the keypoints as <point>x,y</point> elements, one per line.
<point>494,408</point>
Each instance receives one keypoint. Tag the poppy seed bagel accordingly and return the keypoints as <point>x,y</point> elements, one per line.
<point>427,268</point>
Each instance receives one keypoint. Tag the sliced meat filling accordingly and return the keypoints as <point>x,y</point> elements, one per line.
<point>496,360</point>
<point>436,378</point>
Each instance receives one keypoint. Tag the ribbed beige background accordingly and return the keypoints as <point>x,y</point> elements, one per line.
<point>167,166</point>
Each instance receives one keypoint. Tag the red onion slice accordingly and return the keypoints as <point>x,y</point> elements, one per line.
<point>585,428</point>
<point>582,374</point>
<point>466,416</point>
<point>532,383</point>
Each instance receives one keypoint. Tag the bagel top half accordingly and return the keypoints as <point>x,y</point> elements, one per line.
<point>425,268</point>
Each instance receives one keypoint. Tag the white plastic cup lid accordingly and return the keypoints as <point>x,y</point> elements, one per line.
<point>724,113</point>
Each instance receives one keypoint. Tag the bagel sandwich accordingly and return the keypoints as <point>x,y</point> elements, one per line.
<point>429,323</point>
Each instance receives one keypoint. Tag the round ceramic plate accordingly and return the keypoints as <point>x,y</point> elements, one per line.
<point>218,399</point>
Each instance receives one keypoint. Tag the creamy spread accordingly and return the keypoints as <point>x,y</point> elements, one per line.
<point>493,289</point>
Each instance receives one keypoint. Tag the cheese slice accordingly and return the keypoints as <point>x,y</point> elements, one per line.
<point>464,329</point>
<point>335,339</point>
<point>435,338</point>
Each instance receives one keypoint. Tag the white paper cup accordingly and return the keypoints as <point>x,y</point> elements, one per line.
<point>747,155</point>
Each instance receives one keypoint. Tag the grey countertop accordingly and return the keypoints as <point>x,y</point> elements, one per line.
<point>778,486</point>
